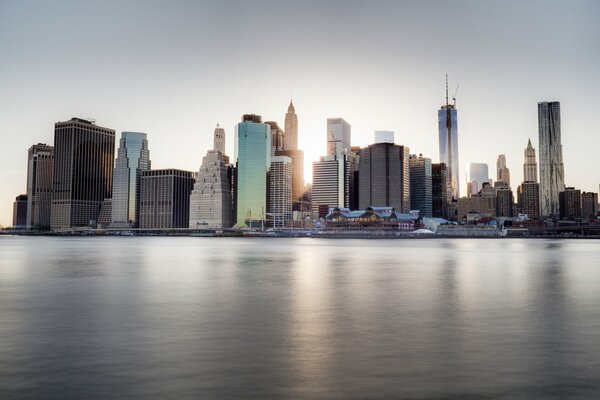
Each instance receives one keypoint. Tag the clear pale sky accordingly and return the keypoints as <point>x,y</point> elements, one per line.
<point>174,69</point>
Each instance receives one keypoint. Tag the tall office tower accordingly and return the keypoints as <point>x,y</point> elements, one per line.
<point>338,136</point>
<point>290,149</point>
<point>384,177</point>
<point>353,158</point>
<point>40,173</point>
<point>589,205</point>
<point>20,211</point>
<point>552,179</point>
<point>219,140</point>
<point>569,202</point>
<point>504,201</point>
<point>420,185</point>
<point>84,156</point>
<point>478,174</point>
<point>165,198</point>
<point>291,129</point>
<point>528,197</point>
<point>210,200</point>
<point>530,165</point>
<point>281,191</point>
<point>133,157</point>
<point>277,137</point>
<point>253,160</point>
<point>439,191</point>
<point>330,186</point>
<point>448,135</point>
<point>503,173</point>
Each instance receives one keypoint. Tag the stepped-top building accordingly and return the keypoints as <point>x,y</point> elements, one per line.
<point>211,201</point>
<point>133,157</point>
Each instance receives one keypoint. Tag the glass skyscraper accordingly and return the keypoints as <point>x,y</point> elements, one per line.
<point>339,135</point>
<point>133,157</point>
<point>253,160</point>
<point>478,175</point>
<point>448,135</point>
<point>420,185</point>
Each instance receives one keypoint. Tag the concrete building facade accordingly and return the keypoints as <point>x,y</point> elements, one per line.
<point>40,175</point>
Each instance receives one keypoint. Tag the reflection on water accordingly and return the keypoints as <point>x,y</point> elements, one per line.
<point>299,318</point>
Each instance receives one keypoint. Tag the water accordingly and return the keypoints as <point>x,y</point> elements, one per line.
<point>299,318</point>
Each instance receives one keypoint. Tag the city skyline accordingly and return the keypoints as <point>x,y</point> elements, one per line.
<point>178,100</point>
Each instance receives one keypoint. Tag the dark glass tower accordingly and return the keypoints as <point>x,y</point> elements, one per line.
<point>84,156</point>
<point>384,177</point>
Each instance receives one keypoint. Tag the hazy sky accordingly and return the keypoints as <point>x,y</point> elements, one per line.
<point>176,69</point>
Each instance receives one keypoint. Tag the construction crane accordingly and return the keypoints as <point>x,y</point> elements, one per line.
<point>454,97</point>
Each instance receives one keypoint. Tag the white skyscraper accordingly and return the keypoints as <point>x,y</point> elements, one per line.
<point>281,191</point>
<point>210,200</point>
<point>330,186</point>
<point>338,136</point>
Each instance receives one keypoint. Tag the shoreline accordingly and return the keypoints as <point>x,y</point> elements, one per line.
<point>340,235</point>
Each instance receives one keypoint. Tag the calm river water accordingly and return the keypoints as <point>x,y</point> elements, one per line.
<point>131,317</point>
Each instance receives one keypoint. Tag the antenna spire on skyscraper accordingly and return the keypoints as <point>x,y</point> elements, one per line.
<point>446,89</point>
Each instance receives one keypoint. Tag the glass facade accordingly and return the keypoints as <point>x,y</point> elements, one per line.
<point>133,157</point>
<point>253,155</point>
<point>448,135</point>
<point>338,136</point>
<point>420,185</point>
<point>478,174</point>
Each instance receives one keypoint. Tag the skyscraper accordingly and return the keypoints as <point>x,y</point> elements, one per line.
<point>330,186</point>
<point>420,185</point>
<point>210,201</point>
<point>290,149</point>
<point>439,190</point>
<point>528,197</point>
<point>570,203</point>
<point>502,171</point>
<point>277,137</point>
<point>384,177</point>
<point>253,159</point>
<point>448,138</point>
<point>20,211</point>
<point>133,157</point>
<point>504,200</point>
<point>478,174</point>
<point>551,161</point>
<point>165,198</point>
<point>84,156</point>
<point>589,205</point>
<point>281,191</point>
<point>40,173</point>
<point>291,129</point>
<point>530,164</point>
<point>338,136</point>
